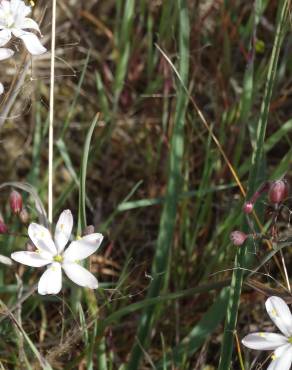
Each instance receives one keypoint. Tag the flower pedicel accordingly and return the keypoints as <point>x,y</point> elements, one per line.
<point>52,253</point>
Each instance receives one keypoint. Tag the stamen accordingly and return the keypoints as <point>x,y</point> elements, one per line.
<point>58,258</point>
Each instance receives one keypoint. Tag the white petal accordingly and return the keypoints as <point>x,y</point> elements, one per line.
<point>264,341</point>
<point>51,280</point>
<point>282,358</point>
<point>82,248</point>
<point>33,259</point>
<point>31,41</point>
<point>5,53</point>
<point>5,260</point>
<point>5,6</point>
<point>19,9</point>
<point>28,23</point>
<point>41,238</point>
<point>63,229</point>
<point>5,36</point>
<point>280,314</point>
<point>1,88</point>
<point>80,276</point>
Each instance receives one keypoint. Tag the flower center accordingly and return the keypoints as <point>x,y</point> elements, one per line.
<point>290,340</point>
<point>58,258</point>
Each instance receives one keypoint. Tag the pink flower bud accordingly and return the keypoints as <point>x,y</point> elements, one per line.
<point>3,227</point>
<point>278,191</point>
<point>15,200</point>
<point>238,237</point>
<point>248,207</point>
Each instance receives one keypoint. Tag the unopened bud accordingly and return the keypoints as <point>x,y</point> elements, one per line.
<point>238,237</point>
<point>3,227</point>
<point>278,191</point>
<point>15,200</point>
<point>248,207</point>
<point>24,216</point>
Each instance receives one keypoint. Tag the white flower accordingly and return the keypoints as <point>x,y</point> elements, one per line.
<point>5,53</point>
<point>281,344</point>
<point>13,21</point>
<point>52,253</point>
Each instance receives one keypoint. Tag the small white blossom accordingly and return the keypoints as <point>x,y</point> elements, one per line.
<point>52,253</point>
<point>281,344</point>
<point>5,53</point>
<point>14,21</point>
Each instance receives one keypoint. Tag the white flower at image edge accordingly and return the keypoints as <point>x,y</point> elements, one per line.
<point>52,253</point>
<point>5,53</point>
<point>13,21</point>
<point>281,344</point>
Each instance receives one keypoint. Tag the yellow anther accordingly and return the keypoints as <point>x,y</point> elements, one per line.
<point>58,258</point>
<point>273,357</point>
<point>78,237</point>
<point>262,335</point>
<point>274,312</point>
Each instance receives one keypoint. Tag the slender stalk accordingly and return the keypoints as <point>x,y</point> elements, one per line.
<point>51,118</point>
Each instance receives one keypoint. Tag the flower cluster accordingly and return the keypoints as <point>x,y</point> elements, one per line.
<point>51,252</point>
<point>14,22</point>
<point>277,191</point>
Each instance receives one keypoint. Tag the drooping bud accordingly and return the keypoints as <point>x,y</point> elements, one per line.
<point>15,200</point>
<point>278,191</point>
<point>248,207</point>
<point>238,237</point>
<point>24,216</point>
<point>3,227</point>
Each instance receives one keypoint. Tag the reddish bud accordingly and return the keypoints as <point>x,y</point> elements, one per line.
<point>3,227</point>
<point>238,237</point>
<point>278,191</point>
<point>248,207</point>
<point>15,200</point>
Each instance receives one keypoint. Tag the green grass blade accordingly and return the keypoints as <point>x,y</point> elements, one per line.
<point>167,222</point>
<point>82,186</point>
<point>197,336</point>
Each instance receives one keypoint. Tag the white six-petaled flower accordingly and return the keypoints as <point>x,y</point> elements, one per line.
<point>14,21</point>
<point>52,253</point>
<point>281,344</point>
